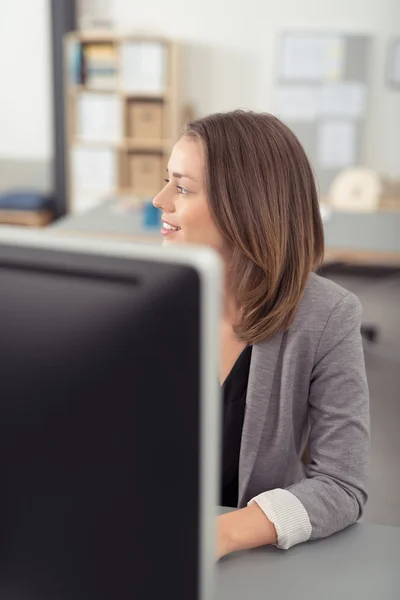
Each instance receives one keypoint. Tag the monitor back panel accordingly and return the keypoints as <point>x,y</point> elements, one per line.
<point>99,427</point>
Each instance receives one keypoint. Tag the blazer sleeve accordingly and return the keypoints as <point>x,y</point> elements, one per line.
<point>333,494</point>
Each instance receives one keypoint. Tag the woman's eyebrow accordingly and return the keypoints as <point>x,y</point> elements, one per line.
<point>183,176</point>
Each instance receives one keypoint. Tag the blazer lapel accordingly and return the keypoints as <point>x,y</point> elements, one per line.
<point>263,363</point>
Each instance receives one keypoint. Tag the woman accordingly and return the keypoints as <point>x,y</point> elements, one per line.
<point>292,369</point>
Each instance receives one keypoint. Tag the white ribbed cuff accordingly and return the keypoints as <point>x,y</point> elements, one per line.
<point>288,515</point>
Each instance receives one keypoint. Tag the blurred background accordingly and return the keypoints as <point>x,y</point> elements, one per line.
<point>95,92</point>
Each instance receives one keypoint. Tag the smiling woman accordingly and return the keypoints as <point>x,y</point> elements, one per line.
<point>186,211</point>
<point>241,183</point>
<point>291,366</point>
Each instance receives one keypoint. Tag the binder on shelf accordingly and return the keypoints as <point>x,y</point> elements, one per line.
<point>99,117</point>
<point>100,66</point>
<point>94,169</point>
<point>74,63</point>
<point>143,67</point>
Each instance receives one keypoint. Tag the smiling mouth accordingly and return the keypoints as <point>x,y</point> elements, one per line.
<point>167,229</point>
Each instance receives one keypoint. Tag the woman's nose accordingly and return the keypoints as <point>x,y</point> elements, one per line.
<point>156,200</point>
<point>164,201</point>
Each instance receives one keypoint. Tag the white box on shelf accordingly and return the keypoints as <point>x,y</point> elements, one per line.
<point>94,169</point>
<point>99,117</point>
<point>84,202</point>
<point>143,67</point>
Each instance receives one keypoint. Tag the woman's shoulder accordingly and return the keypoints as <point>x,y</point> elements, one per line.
<point>322,290</point>
<point>323,299</point>
<point>325,308</point>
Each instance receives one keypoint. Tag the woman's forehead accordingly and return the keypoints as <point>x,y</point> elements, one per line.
<point>187,159</point>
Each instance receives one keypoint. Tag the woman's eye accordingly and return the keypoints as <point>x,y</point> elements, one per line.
<point>183,191</point>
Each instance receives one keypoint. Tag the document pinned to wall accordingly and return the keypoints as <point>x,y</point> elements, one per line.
<point>296,103</point>
<point>336,144</point>
<point>143,67</point>
<point>344,99</point>
<point>312,57</point>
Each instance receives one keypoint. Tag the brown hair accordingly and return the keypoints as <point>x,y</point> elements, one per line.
<point>263,198</point>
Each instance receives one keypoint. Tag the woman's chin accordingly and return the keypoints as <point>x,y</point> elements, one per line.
<point>169,242</point>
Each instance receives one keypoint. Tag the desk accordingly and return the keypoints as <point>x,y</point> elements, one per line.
<point>107,222</point>
<point>372,239</point>
<point>363,238</point>
<point>359,563</point>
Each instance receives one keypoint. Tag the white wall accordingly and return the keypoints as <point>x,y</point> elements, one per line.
<point>25,80</point>
<point>231,52</point>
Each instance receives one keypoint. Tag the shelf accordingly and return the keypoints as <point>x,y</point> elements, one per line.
<point>100,36</point>
<point>104,35</point>
<point>148,145</point>
<point>134,138</point>
<point>78,89</point>
<point>118,145</point>
<point>162,147</point>
<point>145,95</point>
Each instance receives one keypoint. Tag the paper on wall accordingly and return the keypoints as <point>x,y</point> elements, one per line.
<point>312,57</point>
<point>343,99</point>
<point>336,144</point>
<point>296,103</point>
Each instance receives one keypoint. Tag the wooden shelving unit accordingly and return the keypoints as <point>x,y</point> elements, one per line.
<point>145,119</point>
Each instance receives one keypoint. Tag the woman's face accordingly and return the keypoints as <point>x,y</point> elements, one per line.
<point>186,214</point>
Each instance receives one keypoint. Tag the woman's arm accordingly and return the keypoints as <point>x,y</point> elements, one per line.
<point>333,493</point>
<point>244,529</point>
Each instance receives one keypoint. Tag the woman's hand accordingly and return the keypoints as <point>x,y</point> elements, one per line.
<point>244,529</point>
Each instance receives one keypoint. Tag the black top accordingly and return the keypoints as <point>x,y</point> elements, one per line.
<point>234,392</point>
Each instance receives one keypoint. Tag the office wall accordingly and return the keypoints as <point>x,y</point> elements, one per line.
<point>25,81</point>
<point>231,52</point>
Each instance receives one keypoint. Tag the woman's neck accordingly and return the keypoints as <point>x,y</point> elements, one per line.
<point>230,309</point>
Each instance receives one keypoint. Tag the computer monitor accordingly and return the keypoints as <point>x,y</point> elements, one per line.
<point>109,419</point>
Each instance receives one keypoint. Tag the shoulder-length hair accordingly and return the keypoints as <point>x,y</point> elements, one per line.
<point>263,198</point>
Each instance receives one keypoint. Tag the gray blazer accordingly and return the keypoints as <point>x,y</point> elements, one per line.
<point>308,384</point>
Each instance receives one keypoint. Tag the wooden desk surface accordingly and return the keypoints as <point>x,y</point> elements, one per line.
<point>362,257</point>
